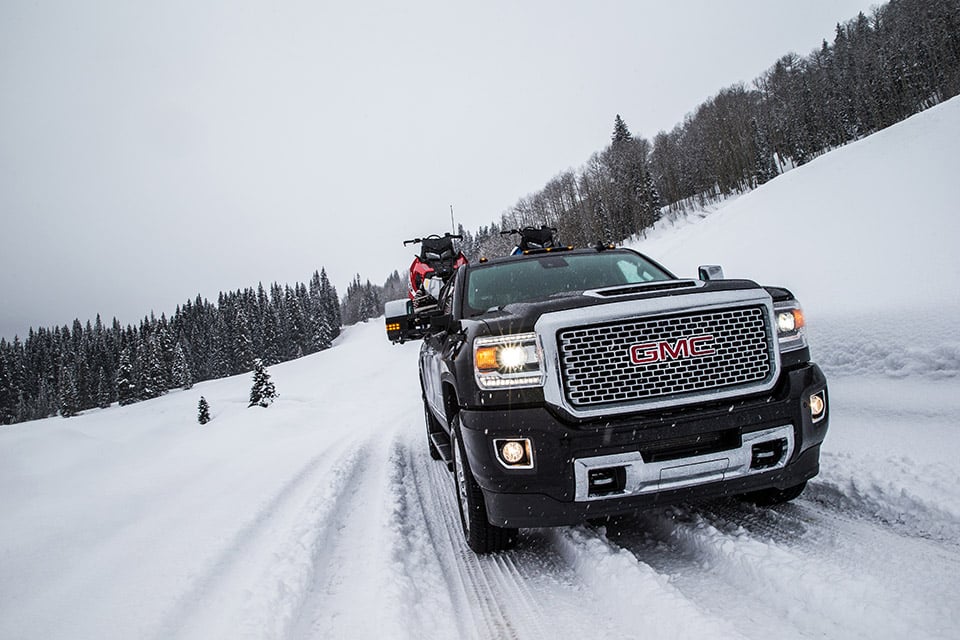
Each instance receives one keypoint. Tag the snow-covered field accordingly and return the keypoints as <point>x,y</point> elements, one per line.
<point>323,516</point>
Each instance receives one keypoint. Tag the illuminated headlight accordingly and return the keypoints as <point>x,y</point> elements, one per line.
<point>514,453</point>
<point>513,362</point>
<point>791,326</point>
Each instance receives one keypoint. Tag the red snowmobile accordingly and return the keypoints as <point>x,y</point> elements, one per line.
<point>437,259</point>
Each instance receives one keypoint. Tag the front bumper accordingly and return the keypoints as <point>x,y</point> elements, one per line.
<point>667,456</point>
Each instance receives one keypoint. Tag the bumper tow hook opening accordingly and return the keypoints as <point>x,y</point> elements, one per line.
<point>768,454</point>
<point>607,481</point>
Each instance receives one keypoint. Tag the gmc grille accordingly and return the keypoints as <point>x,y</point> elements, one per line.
<point>598,368</point>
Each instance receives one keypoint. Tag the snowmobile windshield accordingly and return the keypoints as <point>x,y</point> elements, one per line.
<point>536,239</point>
<point>436,249</point>
<point>538,278</point>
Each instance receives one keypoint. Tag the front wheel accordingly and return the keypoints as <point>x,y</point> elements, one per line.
<point>480,535</point>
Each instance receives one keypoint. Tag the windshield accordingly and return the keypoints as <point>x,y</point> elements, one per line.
<point>498,284</point>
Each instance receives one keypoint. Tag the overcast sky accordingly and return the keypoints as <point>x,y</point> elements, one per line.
<point>153,151</point>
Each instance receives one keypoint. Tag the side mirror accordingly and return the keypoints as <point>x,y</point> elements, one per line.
<point>400,321</point>
<point>711,272</point>
<point>395,308</point>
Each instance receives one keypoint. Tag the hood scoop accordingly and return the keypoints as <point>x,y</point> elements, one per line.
<point>643,287</point>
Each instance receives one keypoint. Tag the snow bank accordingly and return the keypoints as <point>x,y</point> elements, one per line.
<point>865,236</point>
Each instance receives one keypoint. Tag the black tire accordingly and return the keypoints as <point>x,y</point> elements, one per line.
<point>771,497</point>
<point>480,535</point>
<point>432,427</point>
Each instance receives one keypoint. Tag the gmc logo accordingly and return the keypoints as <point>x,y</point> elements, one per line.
<point>660,351</point>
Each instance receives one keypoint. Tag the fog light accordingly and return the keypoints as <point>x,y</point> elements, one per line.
<point>512,452</point>
<point>515,453</point>
<point>818,406</point>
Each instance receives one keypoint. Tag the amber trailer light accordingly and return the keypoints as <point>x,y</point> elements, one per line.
<point>514,453</point>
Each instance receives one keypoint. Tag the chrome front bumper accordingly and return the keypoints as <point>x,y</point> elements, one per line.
<point>755,454</point>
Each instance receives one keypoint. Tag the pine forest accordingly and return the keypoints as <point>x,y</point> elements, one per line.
<point>66,370</point>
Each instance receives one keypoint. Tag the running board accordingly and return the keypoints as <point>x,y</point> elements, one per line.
<point>442,443</point>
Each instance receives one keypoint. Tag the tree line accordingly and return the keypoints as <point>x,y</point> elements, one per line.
<point>69,369</point>
<point>365,300</point>
<point>878,70</point>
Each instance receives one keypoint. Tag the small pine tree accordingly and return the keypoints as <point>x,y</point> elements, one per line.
<point>203,411</point>
<point>262,393</point>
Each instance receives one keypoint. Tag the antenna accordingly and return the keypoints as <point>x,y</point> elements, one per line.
<point>453,227</point>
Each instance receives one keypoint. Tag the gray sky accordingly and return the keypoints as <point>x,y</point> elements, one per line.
<point>153,151</point>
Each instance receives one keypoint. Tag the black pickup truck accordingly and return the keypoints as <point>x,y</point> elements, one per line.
<point>567,385</point>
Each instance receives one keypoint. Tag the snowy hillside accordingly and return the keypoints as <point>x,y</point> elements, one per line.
<point>323,516</point>
<point>865,236</point>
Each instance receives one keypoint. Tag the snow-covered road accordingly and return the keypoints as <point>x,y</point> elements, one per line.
<point>324,517</point>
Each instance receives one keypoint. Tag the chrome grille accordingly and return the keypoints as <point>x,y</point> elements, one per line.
<point>597,366</point>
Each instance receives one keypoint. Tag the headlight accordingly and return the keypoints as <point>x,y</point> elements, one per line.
<point>791,326</point>
<point>502,362</point>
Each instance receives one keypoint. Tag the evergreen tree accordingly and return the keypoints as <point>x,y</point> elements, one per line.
<point>104,392</point>
<point>262,393</point>
<point>153,373</point>
<point>126,388</point>
<point>69,400</point>
<point>8,394</point>
<point>243,355</point>
<point>23,409</point>
<point>621,134</point>
<point>221,351</point>
<point>181,376</point>
<point>203,411</point>
<point>396,286</point>
<point>272,347</point>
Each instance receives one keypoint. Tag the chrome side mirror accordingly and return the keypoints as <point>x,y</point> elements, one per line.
<point>711,272</point>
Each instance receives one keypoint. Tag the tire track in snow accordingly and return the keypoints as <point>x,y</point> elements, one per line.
<point>479,605</point>
<point>252,575</point>
<point>822,585</point>
<point>697,579</point>
<point>643,600</point>
<point>427,592</point>
<point>893,507</point>
<point>357,586</point>
<point>526,592</point>
<point>546,587</point>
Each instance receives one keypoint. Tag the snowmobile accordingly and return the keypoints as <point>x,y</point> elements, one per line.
<point>409,319</point>
<point>532,239</point>
<point>437,259</point>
